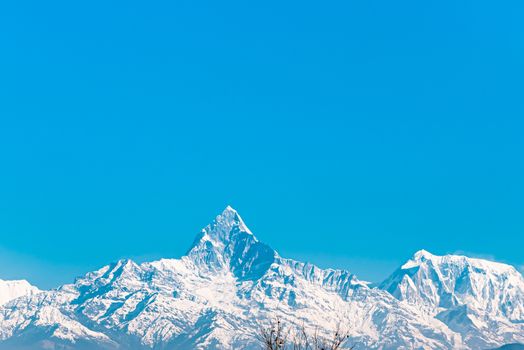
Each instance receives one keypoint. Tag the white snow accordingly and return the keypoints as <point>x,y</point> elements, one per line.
<point>10,290</point>
<point>474,297</point>
<point>215,296</point>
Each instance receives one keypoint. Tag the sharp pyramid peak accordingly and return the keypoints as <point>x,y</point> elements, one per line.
<point>228,243</point>
<point>230,209</point>
<point>221,229</point>
<point>230,218</point>
<point>229,212</point>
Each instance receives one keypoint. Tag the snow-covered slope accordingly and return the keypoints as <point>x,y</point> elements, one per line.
<point>480,299</point>
<point>214,297</point>
<point>10,290</point>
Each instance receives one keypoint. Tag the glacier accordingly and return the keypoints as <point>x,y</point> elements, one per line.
<point>216,296</point>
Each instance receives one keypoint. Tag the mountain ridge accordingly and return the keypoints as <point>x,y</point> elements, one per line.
<point>212,298</point>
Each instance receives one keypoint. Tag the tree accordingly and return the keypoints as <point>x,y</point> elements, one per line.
<point>276,336</point>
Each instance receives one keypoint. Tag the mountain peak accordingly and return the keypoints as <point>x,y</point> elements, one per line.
<point>229,209</point>
<point>418,258</point>
<point>228,243</point>
<point>225,227</point>
<point>423,257</point>
<point>208,298</point>
<point>228,220</point>
<point>422,254</point>
<point>456,287</point>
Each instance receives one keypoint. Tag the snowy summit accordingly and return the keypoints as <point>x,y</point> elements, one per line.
<point>215,296</point>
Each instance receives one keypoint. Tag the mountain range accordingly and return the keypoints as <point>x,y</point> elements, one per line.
<point>217,295</point>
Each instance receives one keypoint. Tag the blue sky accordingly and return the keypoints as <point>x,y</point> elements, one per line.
<point>346,133</point>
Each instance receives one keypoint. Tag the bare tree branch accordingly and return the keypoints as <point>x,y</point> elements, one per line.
<point>276,336</point>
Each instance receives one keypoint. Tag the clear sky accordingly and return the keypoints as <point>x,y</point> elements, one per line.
<point>347,133</point>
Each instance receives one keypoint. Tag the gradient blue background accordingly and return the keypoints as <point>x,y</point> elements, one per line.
<point>347,133</point>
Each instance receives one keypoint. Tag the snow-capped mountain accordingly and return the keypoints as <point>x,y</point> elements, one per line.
<point>215,296</point>
<point>480,299</point>
<point>10,290</point>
